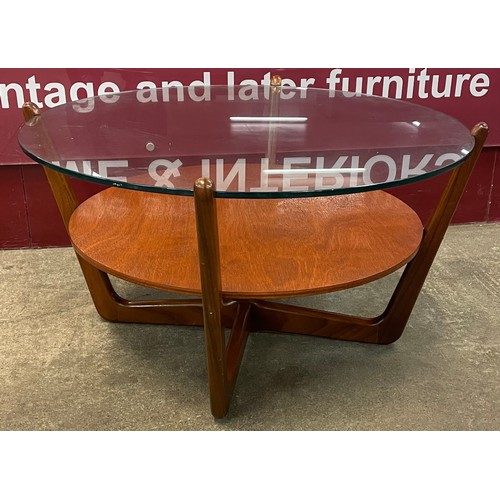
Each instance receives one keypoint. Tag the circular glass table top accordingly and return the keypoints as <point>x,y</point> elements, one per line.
<point>251,141</point>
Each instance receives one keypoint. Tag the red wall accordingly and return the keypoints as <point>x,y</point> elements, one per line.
<point>29,216</point>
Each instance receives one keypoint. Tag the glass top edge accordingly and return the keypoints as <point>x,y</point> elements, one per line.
<point>247,194</point>
<point>457,145</point>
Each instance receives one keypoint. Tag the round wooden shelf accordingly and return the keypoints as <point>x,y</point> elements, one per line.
<point>268,247</point>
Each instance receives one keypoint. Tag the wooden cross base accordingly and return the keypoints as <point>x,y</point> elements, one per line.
<point>236,253</point>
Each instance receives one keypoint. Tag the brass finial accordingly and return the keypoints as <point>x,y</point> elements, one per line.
<point>276,81</point>
<point>30,110</point>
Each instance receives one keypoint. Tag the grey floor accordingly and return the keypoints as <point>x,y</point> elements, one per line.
<point>63,368</point>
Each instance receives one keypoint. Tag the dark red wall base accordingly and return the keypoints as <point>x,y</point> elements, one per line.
<point>30,219</point>
<point>14,228</point>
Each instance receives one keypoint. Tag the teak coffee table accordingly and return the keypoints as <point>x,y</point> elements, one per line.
<point>240,195</point>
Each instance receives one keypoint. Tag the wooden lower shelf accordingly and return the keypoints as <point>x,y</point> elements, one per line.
<point>269,248</point>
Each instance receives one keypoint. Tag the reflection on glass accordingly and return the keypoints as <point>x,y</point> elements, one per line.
<point>313,142</point>
<point>270,119</point>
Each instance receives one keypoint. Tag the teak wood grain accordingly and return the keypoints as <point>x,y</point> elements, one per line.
<point>268,247</point>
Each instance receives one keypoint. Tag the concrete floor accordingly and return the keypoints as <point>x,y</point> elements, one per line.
<point>63,368</point>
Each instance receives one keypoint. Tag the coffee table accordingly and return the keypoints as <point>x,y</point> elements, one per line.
<point>237,196</point>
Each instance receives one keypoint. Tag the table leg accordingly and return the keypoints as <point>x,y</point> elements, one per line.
<point>389,326</point>
<point>223,361</point>
<point>395,317</point>
<point>109,304</point>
